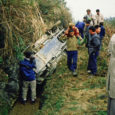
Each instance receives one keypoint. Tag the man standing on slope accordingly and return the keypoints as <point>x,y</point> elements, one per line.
<point>93,50</point>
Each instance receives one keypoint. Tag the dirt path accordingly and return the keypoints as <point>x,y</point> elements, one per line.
<point>27,109</point>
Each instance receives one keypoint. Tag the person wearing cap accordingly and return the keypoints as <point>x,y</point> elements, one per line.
<point>28,76</point>
<point>89,16</point>
<point>99,17</point>
<point>72,52</point>
<point>93,51</point>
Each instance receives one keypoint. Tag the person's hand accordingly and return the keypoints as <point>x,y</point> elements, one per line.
<point>80,37</point>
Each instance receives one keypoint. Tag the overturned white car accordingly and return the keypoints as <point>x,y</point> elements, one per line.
<point>49,55</point>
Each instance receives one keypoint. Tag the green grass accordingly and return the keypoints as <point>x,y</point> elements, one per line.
<point>59,103</point>
<point>98,82</point>
<point>101,113</point>
<point>4,107</point>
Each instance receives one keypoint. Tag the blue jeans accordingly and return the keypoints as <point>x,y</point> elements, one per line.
<point>72,60</point>
<point>92,63</point>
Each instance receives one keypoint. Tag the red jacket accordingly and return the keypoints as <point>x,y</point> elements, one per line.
<point>76,31</point>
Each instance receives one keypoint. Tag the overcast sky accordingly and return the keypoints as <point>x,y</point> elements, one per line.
<point>78,7</point>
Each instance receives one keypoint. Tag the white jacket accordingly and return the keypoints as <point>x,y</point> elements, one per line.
<point>99,18</point>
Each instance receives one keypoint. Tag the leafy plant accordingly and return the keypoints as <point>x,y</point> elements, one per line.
<point>1,60</point>
<point>19,49</point>
<point>101,113</point>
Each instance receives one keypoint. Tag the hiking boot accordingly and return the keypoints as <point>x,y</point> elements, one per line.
<point>74,73</point>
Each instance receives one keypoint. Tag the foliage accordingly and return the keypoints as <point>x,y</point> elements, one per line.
<point>101,113</point>
<point>19,48</point>
<point>28,20</point>
<point>1,60</point>
<point>4,106</point>
<point>111,21</point>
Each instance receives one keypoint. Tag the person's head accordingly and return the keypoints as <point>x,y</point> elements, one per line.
<point>88,11</point>
<point>71,25</point>
<point>88,23</point>
<point>84,19</point>
<point>28,54</point>
<point>97,29</point>
<point>92,30</point>
<point>98,11</point>
<point>71,32</point>
<point>101,23</point>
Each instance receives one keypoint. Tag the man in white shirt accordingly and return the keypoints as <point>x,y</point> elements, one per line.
<point>99,17</point>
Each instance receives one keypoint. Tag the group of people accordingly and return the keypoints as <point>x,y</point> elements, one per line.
<point>91,32</point>
<point>94,20</point>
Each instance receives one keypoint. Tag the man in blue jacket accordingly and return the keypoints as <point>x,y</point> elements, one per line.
<point>28,76</point>
<point>80,26</point>
<point>93,50</point>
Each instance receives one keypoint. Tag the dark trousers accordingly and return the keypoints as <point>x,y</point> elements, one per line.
<point>111,106</point>
<point>92,63</point>
<point>81,33</point>
<point>72,60</point>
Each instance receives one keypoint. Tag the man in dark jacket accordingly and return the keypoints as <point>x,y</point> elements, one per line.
<point>28,76</point>
<point>93,50</point>
<point>100,30</point>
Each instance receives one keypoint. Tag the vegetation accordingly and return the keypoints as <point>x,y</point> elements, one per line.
<point>28,20</point>
<point>111,21</point>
